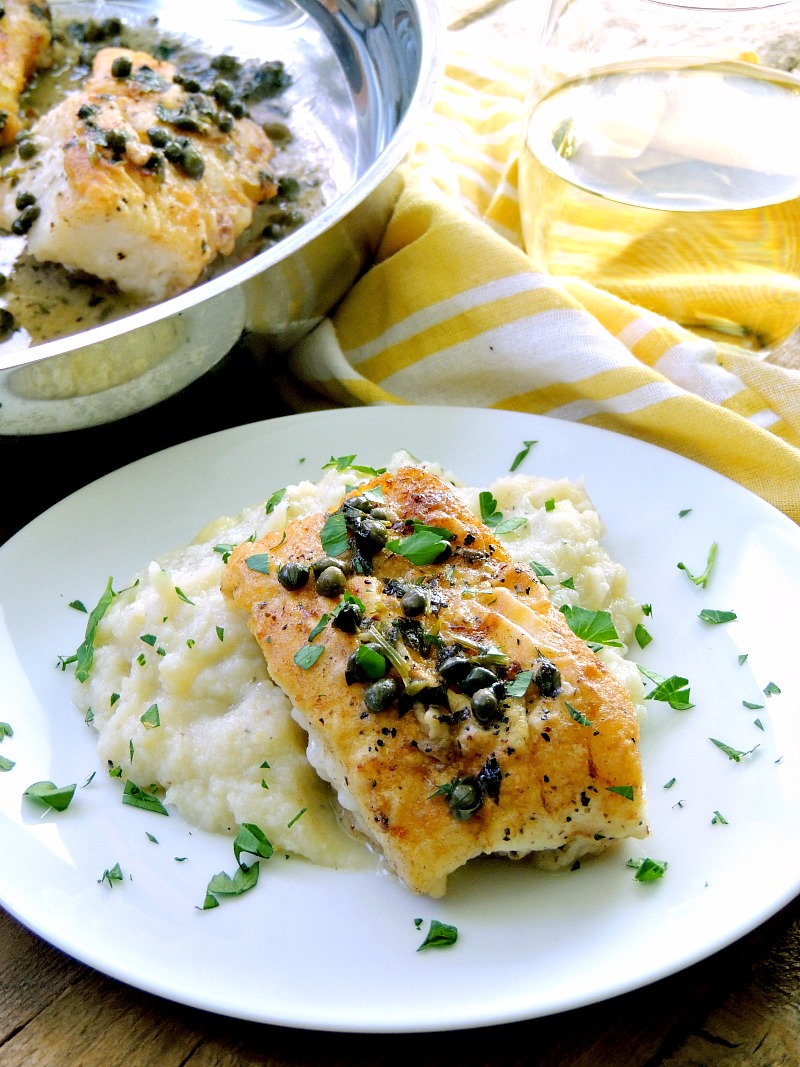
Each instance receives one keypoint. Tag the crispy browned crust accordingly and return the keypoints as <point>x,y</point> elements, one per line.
<point>25,37</point>
<point>554,771</point>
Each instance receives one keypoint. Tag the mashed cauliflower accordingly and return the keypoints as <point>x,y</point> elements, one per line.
<point>222,743</point>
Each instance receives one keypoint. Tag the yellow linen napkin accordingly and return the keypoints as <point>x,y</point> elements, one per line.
<point>453,312</point>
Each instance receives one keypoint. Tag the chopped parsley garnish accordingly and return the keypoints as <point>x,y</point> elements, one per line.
<point>274,500</point>
<point>684,512</point>
<point>425,545</point>
<point>252,840</point>
<point>750,706</point>
<point>594,627</point>
<point>182,596</point>
<point>493,518</point>
<point>550,505</point>
<point>648,870</point>
<point>5,730</point>
<point>6,764</point>
<point>137,797</point>
<point>323,622</point>
<point>224,551</point>
<point>85,654</point>
<point>308,655</point>
<point>151,718</point>
<point>333,535</point>
<point>540,570</point>
<point>54,796</point>
<point>702,579</point>
<point>735,754</point>
<point>580,718</point>
<point>343,463</point>
<point>78,605</point>
<point>673,690</point>
<point>623,790</point>
<point>258,562</point>
<point>112,875</point>
<point>440,935</point>
<point>522,454</point>
<point>225,885</point>
<point>771,689</point>
<point>670,783</point>
<point>519,686</point>
<point>642,635</point>
<point>714,616</point>
<point>718,818</point>
<point>294,818</point>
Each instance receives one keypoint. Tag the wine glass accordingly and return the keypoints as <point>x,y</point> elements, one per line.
<point>661,159</point>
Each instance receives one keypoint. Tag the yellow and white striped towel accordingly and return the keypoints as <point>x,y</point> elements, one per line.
<point>453,312</point>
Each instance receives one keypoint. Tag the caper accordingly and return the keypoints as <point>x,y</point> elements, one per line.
<point>111,27</point>
<point>222,91</point>
<point>93,31</point>
<point>548,678</point>
<point>27,148</point>
<point>485,706</point>
<point>3,282</point>
<point>86,111</point>
<point>7,323</point>
<point>225,64</point>
<point>466,797</point>
<point>23,222</point>
<point>173,150</point>
<point>385,515</point>
<point>370,535</point>
<point>478,678</point>
<point>348,617</point>
<point>116,140</point>
<point>381,695</point>
<point>24,200</point>
<point>237,109</point>
<point>414,602</point>
<point>191,85</point>
<point>192,163</point>
<point>289,187</point>
<point>293,575</point>
<point>158,136</point>
<point>360,503</point>
<point>121,67</point>
<point>322,564</point>
<point>224,121</point>
<point>331,582</point>
<point>454,668</point>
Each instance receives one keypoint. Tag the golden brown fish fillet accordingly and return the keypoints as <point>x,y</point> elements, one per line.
<point>25,38</point>
<point>136,180</point>
<point>494,729</point>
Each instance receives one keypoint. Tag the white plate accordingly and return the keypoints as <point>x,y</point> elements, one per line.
<point>321,949</point>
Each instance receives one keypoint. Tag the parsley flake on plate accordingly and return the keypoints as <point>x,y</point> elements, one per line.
<point>522,454</point>
<point>648,870</point>
<point>54,796</point>
<point>440,935</point>
<point>136,797</point>
<point>735,754</point>
<point>702,579</point>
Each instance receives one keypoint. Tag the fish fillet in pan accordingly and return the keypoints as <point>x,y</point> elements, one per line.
<point>445,698</point>
<point>136,180</point>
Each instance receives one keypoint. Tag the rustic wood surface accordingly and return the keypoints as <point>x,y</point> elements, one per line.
<point>739,1008</point>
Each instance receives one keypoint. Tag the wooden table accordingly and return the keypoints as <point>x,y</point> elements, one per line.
<point>740,1007</point>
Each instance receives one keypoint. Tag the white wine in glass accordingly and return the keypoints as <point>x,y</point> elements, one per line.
<point>661,159</point>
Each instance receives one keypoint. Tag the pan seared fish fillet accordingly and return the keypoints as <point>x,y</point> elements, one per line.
<point>136,180</point>
<point>25,38</point>
<point>495,729</point>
